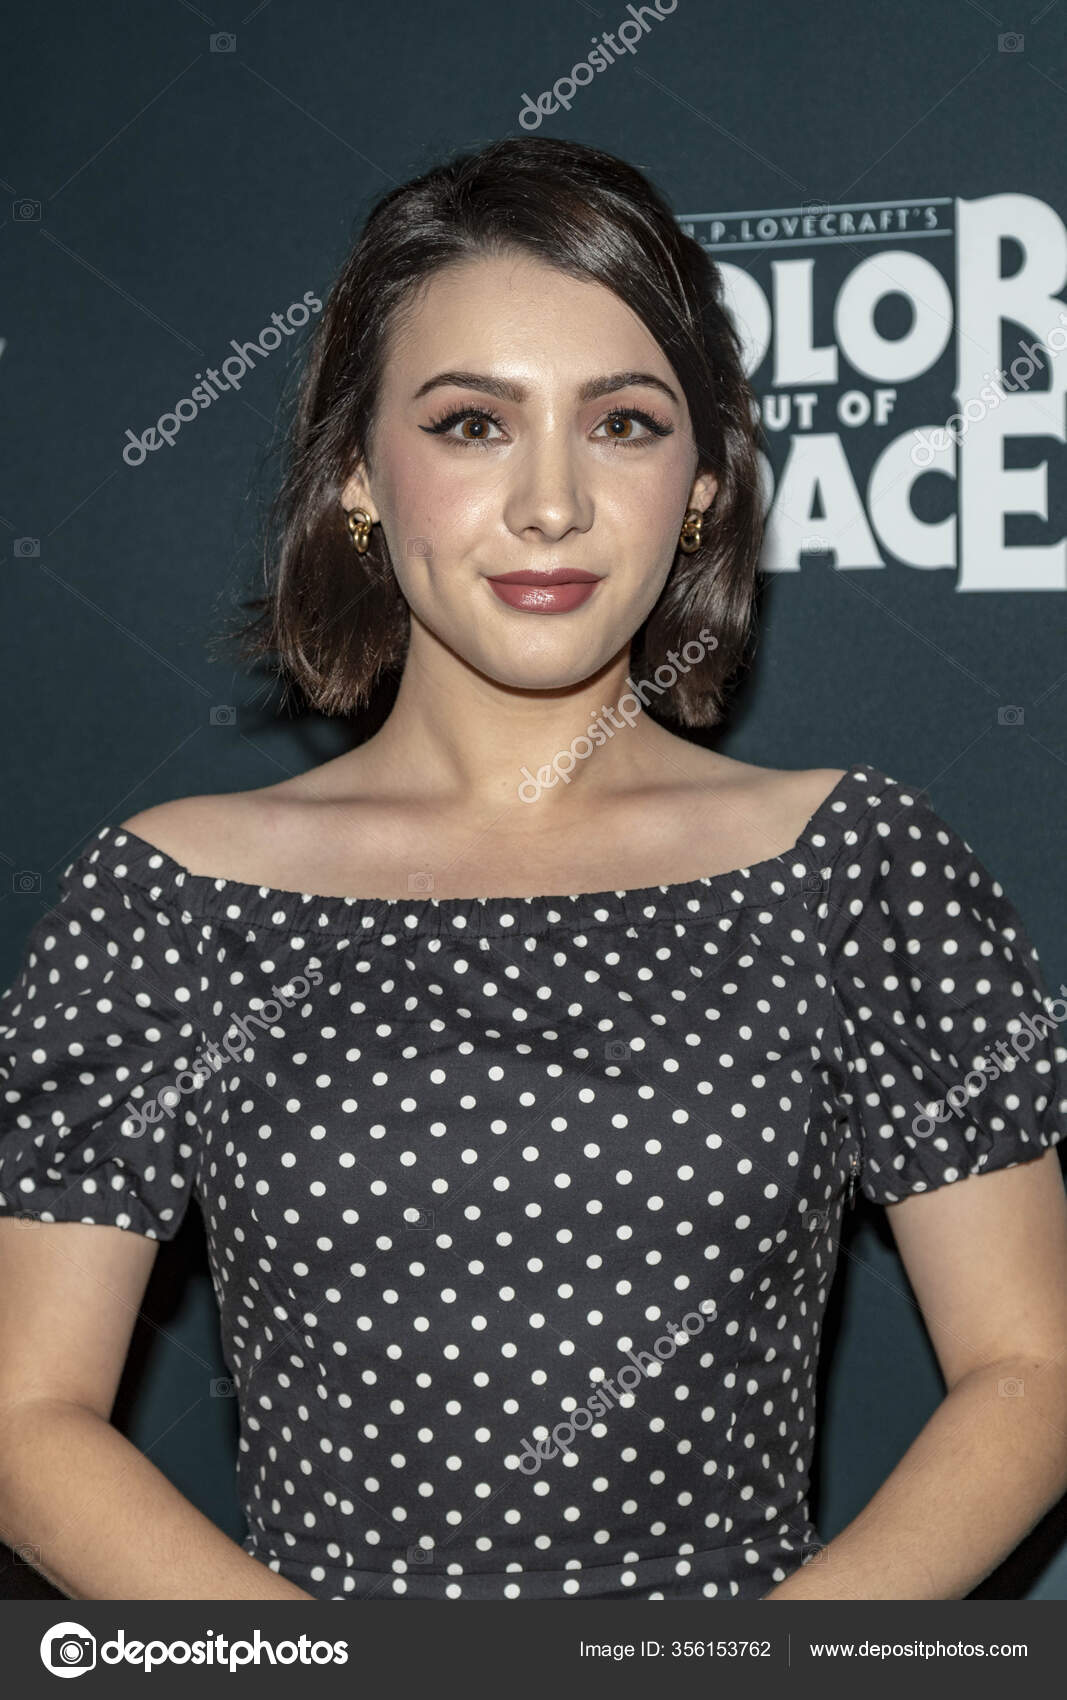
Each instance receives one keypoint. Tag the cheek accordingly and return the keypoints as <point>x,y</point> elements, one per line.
<point>661,483</point>
<point>432,503</point>
<point>648,505</point>
<point>652,480</point>
<point>643,513</point>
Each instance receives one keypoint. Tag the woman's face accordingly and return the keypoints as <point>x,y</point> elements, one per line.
<point>528,423</point>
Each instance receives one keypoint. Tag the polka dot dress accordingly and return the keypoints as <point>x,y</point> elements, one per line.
<point>523,1213</point>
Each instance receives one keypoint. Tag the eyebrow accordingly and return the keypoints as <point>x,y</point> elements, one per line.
<point>507,391</point>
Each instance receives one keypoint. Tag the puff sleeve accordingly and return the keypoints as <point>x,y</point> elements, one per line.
<point>96,1119</point>
<point>953,1053</point>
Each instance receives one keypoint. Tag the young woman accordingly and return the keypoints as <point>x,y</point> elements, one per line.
<point>523,1060</point>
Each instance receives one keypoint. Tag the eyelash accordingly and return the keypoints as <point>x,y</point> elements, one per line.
<point>658,427</point>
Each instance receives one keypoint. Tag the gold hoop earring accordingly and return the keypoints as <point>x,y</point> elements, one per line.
<point>692,531</point>
<point>359,529</point>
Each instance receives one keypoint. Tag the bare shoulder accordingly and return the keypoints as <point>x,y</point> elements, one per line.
<point>785,798</point>
<point>237,834</point>
<point>803,788</point>
<point>272,833</point>
<point>779,802</point>
<point>203,832</point>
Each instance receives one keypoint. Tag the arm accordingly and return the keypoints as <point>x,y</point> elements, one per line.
<point>987,1260</point>
<point>100,1520</point>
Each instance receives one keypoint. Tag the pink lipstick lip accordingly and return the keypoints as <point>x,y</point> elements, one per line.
<point>558,575</point>
<point>535,594</point>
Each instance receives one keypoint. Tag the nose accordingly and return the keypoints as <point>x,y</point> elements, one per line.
<point>547,490</point>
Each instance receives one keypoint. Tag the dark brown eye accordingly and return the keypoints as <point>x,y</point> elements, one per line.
<point>621,423</point>
<point>446,425</point>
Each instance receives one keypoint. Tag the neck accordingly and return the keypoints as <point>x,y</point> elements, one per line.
<point>460,739</point>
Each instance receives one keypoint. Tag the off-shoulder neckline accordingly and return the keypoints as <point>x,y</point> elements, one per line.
<point>126,857</point>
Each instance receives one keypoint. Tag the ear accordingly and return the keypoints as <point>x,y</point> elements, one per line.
<point>356,494</point>
<point>703,492</point>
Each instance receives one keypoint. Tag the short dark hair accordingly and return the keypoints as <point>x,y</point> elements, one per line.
<point>335,621</point>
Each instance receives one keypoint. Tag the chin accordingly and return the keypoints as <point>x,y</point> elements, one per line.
<point>540,673</point>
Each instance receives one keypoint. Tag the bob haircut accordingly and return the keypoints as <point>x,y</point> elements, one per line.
<point>336,621</point>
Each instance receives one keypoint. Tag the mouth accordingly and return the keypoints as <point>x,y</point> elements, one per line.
<point>554,592</point>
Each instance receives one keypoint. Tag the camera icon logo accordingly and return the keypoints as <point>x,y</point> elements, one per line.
<point>223,714</point>
<point>1011,715</point>
<point>68,1649</point>
<point>27,549</point>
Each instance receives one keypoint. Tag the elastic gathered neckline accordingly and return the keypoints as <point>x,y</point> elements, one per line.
<point>802,869</point>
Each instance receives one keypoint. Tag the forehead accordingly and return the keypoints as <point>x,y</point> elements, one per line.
<point>516,311</point>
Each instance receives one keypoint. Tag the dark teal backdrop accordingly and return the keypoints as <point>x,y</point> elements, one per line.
<point>172,179</point>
